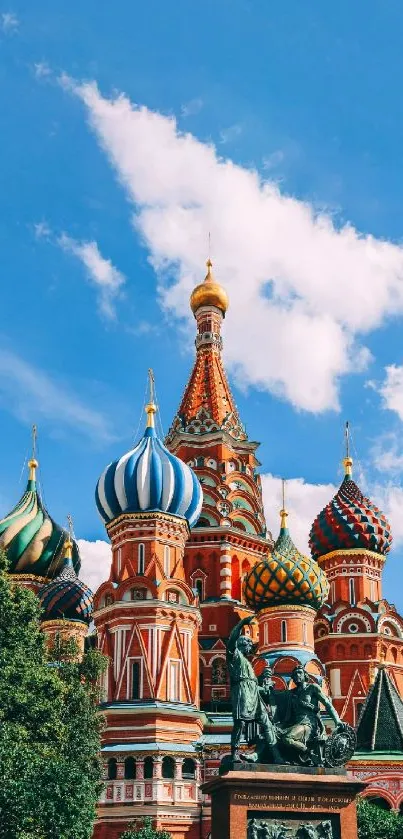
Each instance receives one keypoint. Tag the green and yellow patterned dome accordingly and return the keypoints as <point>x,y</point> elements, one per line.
<point>286,577</point>
<point>33,541</point>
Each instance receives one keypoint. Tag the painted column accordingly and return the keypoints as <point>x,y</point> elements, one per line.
<point>225,571</point>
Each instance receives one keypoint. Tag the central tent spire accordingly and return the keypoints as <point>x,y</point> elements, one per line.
<point>208,404</point>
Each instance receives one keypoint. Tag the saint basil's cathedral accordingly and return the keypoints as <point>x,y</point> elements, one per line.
<point>191,556</point>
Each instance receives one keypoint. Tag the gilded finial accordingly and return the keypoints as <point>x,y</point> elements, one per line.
<point>283,511</point>
<point>209,276</point>
<point>151,407</point>
<point>348,460</point>
<point>68,545</point>
<point>33,463</point>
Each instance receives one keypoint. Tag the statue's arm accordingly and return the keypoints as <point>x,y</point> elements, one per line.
<point>236,632</point>
<point>328,704</point>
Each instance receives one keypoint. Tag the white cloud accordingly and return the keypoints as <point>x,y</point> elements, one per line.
<point>302,291</point>
<point>273,160</point>
<point>30,394</point>
<point>190,109</point>
<point>41,70</point>
<point>304,501</point>
<point>392,389</point>
<point>100,271</point>
<point>228,135</point>
<point>42,230</point>
<point>387,453</point>
<point>9,22</point>
<point>96,560</point>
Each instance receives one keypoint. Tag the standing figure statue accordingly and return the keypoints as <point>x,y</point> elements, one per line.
<point>247,703</point>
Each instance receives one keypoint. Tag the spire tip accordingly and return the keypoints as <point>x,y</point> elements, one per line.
<point>151,407</point>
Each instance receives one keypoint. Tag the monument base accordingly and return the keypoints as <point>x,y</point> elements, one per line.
<point>283,804</point>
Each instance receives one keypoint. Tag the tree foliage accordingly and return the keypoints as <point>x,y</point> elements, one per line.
<point>145,831</point>
<point>50,769</point>
<point>376,823</point>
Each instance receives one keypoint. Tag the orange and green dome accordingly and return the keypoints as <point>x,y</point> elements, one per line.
<point>350,521</point>
<point>286,577</point>
<point>209,293</point>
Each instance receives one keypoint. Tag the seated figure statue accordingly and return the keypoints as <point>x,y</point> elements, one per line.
<point>303,728</point>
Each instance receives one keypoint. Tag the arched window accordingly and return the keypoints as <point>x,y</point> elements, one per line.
<point>140,558</point>
<point>188,768</point>
<point>148,768</point>
<point>135,680</point>
<point>168,767</point>
<point>108,599</point>
<point>218,672</point>
<point>167,561</point>
<point>130,768</point>
<point>112,768</point>
<point>352,591</point>
<point>378,801</point>
<point>199,586</point>
<point>284,631</point>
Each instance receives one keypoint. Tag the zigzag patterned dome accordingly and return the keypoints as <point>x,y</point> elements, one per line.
<point>286,577</point>
<point>33,541</point>
<point>149,478</point>
<point>67,597</point>
<point>350,521</point>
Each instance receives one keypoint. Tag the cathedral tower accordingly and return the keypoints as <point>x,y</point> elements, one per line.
<point>147,620</point>
<point>67,604</point>
<point>356,629</point>
<point>230,535</point>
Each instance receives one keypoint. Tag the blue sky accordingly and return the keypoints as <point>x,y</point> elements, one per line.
<point>276,126</point>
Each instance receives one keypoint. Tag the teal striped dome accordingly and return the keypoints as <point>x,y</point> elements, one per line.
<point>33,541</point>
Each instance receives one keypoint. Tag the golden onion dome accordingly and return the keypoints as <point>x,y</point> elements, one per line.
<point>209,293</point>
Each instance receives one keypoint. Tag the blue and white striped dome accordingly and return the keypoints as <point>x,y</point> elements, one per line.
<point>149,478</point>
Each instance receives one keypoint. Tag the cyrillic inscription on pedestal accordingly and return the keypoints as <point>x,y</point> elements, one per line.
<point>286,826</point>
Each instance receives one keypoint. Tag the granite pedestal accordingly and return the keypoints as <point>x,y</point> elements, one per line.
<point>277,802</point>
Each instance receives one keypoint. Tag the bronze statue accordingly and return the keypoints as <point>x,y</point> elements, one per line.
<point>247,704</point>
<point>289,724</point>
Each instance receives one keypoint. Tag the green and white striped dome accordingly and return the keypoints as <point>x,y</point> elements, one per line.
<point>33,541</point>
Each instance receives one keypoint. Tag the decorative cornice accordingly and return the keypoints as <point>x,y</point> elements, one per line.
<point>153,515</point>
<point>287,607</point>
<point>351,552</point>
<point>22,578</point>
<point>63,623</point>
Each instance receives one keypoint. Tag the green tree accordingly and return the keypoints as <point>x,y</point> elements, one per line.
<point>50,769</point>
<point>376,823</point>
<point>145,831</point>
